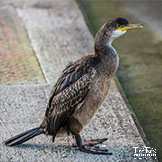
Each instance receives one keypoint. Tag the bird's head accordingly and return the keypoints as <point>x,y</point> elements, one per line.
<point>114,29</point>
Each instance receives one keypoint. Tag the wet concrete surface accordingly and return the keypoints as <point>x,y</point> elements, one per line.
<point>18,63</point>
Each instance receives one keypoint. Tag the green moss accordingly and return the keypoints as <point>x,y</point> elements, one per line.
<point>140,66</point>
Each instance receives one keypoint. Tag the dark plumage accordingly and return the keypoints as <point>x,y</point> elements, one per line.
<point>69,91</point>
<point>80,90</point>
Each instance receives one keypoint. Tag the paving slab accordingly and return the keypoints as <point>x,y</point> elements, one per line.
<point>59,35</point>
<point>18,63</point>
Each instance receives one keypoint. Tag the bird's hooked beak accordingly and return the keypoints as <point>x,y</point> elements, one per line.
<point>130,26</point>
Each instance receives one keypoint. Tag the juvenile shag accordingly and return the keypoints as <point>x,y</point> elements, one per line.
<point>80,91</point>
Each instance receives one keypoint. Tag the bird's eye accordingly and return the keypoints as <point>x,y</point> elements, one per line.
<point>118,25</point>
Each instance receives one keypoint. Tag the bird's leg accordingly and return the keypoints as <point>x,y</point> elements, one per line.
<point>89,146</point>
<point>91,142</point>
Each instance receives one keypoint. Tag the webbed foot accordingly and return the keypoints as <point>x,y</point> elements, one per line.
<point>89,146</point>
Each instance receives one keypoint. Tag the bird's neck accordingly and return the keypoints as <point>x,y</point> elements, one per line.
<point>108,57</point>
<point>104,48</point>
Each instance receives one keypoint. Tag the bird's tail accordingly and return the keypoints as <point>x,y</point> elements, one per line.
<point>20,138</point>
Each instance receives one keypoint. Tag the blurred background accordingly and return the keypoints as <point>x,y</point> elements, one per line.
<point>139,76</point>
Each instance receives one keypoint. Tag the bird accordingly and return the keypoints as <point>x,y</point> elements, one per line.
<point>80,90</point>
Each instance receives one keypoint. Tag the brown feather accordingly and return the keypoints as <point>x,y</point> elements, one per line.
<point>68,93</point>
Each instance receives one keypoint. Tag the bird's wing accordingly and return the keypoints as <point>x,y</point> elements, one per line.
<point>70,74</point>
<point>69,91</point>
